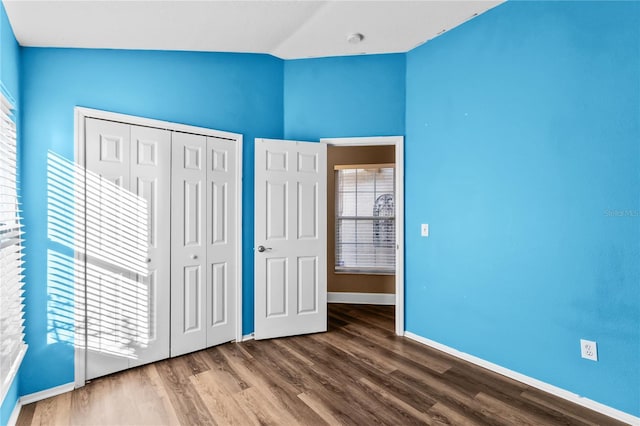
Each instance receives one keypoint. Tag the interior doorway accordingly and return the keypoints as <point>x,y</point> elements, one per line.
<point>348,281</point>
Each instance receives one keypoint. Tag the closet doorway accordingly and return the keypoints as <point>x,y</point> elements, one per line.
<point>158,240</point>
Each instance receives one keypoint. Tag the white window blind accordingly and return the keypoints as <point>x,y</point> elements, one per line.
<point>365,219</point>
<point>12,346</point>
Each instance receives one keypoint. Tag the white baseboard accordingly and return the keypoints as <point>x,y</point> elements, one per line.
<point>362,298</point>
<point>246,337</point>
<point>35,397</point>
<point>14,414</point>
<point>554,390</point>
<point>47,393</point>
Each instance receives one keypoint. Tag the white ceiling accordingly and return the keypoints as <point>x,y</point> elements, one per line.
<point>286,29</point>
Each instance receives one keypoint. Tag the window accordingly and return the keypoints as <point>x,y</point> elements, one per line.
<point>12,346</point>
<point>365,219</point>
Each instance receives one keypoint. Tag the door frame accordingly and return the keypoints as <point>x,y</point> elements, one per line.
<point>398,142</point>
<point>80,113</point>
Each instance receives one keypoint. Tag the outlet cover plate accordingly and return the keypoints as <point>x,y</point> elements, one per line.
<point>589,349</point>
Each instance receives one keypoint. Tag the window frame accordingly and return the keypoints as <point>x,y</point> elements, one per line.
<point>361,269</point>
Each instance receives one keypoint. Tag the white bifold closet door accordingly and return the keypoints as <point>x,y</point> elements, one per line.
<point>127,245</point>
<point>203,245</point>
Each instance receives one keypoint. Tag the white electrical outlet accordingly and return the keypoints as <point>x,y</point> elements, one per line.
<point>424,230</point>
<point>589,349</point>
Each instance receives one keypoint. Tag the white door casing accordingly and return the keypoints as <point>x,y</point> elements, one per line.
<point>398,142</point>
<point>290,223</point>
<point>127,236</point>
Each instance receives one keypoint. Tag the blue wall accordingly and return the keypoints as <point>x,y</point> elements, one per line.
<point>344,96</point>
<point>232,92</point>
<point>523,154</point>
<point>9,79</point>
<point>9,57</point>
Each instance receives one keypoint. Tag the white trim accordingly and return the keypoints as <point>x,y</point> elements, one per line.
<point>246,337</point>
<point>79,293</point>
<point>83,112</point>
<point>400,236</point>
<point>238,230</point>
<point>47,393</point>
<point>363,141</point>
<point>35,397</point>
<point>362,298</point>
<point>80,113</point>
<point>554,390</point>
<point>13,419</point>
<point>398,141</point>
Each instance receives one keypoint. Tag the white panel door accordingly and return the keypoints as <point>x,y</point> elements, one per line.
<point>128,199</point>
<point>107,274</point>
<point>151,181</point>
<point>221,241</point>
<point>108,271</point>
<point>290,238</point>
<point>162,277</point>
<point>188,243</point>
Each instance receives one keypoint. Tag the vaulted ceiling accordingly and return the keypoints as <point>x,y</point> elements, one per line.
<point>286,29</point>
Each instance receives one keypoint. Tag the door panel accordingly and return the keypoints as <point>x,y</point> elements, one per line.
<point>307,210</point>
<point>188,250</point>
<point>108,177</point>
<point>307,284</point>
<point>276,202</point>
<point>290,222</point>
<point>127,245</point>
<point>192,213</point>
<point>192,294</point>
<point>222,282</point>
<point>277,287</point>
<point>220,289</point>
<point>151,181</point>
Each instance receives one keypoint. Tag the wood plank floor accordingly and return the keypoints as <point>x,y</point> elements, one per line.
<point>358,373</point>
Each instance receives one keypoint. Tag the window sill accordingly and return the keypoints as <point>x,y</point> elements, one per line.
<point>363,271</point>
